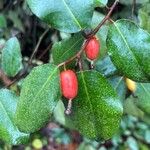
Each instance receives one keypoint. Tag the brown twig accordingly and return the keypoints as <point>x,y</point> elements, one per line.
<point>76,56</point>
<point>4,78</point>
<point>103,21</point>
<point>80,63</point>
<point>37,46</point>
<point>45,51</point>
<point>24,72</point>
<point>91,34</point>
<point>20,76</point>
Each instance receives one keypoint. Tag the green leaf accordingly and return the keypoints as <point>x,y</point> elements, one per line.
<point>106,67</point>
<point>130,2</point>
<point>100,3</point>
<point>131,108</point>
<point>143,94</point>
<point>2,42</point>
<point>9,132</point>
<point>3,23</point>
<point>96,110</point>
<point>146,119</point>
<point>39,95</point>
<point>65,49</point>
<point>102,33</point>
<point>129,49</point>
<point>144,17</point>
<point>65,15</point>
<point>119,85</point>
<point>147,136</point>
<point>11,57</point>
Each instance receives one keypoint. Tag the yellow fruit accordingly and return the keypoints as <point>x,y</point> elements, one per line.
<point>131,85</point>
<point>37,144</point>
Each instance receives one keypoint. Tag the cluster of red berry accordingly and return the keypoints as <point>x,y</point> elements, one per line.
<point>68,78</point>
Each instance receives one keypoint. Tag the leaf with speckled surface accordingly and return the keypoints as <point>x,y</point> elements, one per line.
<point>129,49</point>
<point>11,57</point>
<point>96,111</point>
<point>9,132</point>
<point>65,49</point>
<point>68,16</point>
<point>119,85</point>
<point>39,95</point>
<point>143,94</point>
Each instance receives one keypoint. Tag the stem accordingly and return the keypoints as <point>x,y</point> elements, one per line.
<point>21,75</point>
<point>92,64</point>
<point>45,51</point>
<point>68,110</point>
<point>80,63</point>
<point>104,20</point>
<point>24,72</point>
<point>72,58</point>
<point>37,46</point>
<point>4,78</point>
<point>75,56</point>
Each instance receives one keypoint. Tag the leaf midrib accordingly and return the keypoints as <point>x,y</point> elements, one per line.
<point>3,107</point>
<point>44,85</point>
<point>118,83</point>
<point>90,105</point>
<point>145,89</point>
<point>70,47</point>
<point>127,45</point>
<point>71,13</point>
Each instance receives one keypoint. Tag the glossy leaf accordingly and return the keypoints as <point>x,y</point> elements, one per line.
<point>11,57</point>
<point>3,23</point>
<point>65,49</point>
<point>144,17</point>
<point>106,67</point>
<point>129,49</point>
<point>9,132</point>
<point>39,95</point>
<point>143,94</point>
<point>67,16</point>
<point>100,3</point>
<point>119,86</point>
<point>96,110</point>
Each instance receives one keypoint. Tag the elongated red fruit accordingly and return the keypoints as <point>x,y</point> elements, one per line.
<point>92,48</point>
<point>69,84</point>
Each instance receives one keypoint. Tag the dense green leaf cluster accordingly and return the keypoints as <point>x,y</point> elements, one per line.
<point>98,107</point>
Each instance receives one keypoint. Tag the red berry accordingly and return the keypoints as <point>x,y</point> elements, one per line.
<point>92,48</point>
<point>69,84</point>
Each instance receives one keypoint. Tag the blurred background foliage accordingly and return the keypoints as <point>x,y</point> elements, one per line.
<point>134,133</point>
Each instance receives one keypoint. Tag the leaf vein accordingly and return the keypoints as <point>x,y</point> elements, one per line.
<point>70,11</point>
<point>88,97</point>
<point>127,45</point>
<point>48,79</point>
<point>70,48</point>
